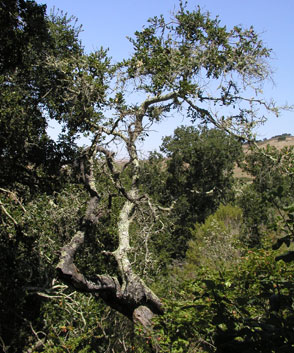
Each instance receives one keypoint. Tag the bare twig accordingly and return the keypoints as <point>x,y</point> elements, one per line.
<point>7,214</point>
<point>13,197</point>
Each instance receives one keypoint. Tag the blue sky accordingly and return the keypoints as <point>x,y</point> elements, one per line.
<point>107,23</point>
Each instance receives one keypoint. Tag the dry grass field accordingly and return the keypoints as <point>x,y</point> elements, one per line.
<point>279,142</point>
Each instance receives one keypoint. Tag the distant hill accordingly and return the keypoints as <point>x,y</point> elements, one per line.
<point>278,141</point>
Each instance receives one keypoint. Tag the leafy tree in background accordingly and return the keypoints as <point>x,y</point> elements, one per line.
<point>270,191</point>
<point>200,175</point>
<point>195,174</point>
<point>173,63</point>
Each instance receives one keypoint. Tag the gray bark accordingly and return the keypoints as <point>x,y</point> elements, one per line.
<point>132,297</point>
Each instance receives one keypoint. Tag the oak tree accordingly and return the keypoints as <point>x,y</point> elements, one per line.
<point>189,64</point>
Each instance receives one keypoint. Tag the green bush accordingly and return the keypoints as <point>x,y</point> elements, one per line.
<point>215,243</point>
<point>282,138</point>
<point>244,308</point>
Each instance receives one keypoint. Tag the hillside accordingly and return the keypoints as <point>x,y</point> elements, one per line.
<point>279,142</point>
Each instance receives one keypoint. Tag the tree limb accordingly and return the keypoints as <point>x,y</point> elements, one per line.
<point>132,297</point>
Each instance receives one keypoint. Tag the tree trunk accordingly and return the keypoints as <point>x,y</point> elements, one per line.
<point>131,297</point>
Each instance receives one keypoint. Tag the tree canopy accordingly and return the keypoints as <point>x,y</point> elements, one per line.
<point>194,173</point>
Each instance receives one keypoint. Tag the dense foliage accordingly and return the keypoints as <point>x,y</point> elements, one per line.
<point>28,88</point>
<point>168,254</point>
<point>185,175</point>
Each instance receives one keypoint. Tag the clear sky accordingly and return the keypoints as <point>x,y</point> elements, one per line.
<point>107,23</point>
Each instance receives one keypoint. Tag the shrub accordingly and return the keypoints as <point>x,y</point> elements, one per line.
<point>246,307</point>
<point>215,243</point>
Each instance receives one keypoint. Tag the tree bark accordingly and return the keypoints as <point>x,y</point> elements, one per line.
<point>131,297</point>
